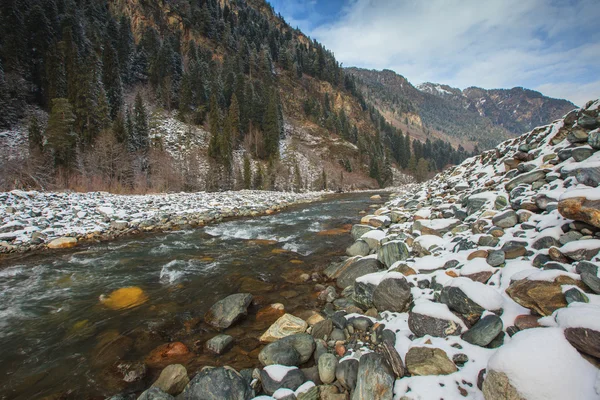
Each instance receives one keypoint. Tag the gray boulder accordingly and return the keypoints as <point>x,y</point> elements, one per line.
<point>229,310</point>
<point>221,383</point>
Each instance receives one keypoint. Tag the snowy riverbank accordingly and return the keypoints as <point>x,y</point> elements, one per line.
<point>34,220</point>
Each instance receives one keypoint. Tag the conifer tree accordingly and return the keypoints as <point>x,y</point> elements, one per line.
<point>61,136</point>
<point>234,121</point>
<point>297,178</point>
<point>259,178</point>
<point>35,138</point>
<point>214,122</point>
<point>111,76</point>
<point>272,127</point>
<point>140,139</point>
<point>247,172</point>
<point>323,180</point>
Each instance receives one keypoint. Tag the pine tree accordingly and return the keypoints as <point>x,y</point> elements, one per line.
<point>60,134</point>
<point>259,178</point>
<point>272,127</point>
<point>247,172</point>
<point>234,121</point>
<point>214,122</point>
<point>111,76</point>
<point>323,180</point>
<point>125,49</point>
<point>140,139</point>
<point>297,178</point>
<point>119,128</point>
<point>35,138</point>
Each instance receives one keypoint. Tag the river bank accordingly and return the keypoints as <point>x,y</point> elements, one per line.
<point>482,283</point>
<point>36,221</point>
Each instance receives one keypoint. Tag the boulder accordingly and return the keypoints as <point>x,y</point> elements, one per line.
<point>279,352</point>
<point>358,230</point>
<point>585,340</point>
<point>357,269</point>
<point>63,243</point>
<point>358,248</point>
<point>219,344</point>
<point>223,383</point>
<point>286,325</point>
<point>392,294</point>
<point>347,373</point>
<point>497,386</point>
<point>375,379</point>
<point>172,379</point>
<point>484,331</point>
<point>363,294</point>
<point>539,296</point>
<point>322,329</point>
<point>393,251</point>
<point>592,281</point>
<point>527,178</point>
<point>458,301</point>
<point>155,393</point>
<point>507,219</point>
<point>423,361</point>
<point>123,298</point>
<point>327,366</point>
<point>276,377</point>
<point>229,310</point>
<point>421,325</point>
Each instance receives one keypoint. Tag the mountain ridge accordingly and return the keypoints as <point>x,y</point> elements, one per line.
<point>470,117</point>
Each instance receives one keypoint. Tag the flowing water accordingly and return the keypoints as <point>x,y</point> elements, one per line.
<point>59,341</point>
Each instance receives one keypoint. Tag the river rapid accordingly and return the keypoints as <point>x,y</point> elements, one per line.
<point>59,341</point>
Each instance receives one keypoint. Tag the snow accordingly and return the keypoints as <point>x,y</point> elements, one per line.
<point>588,193</point>
<point>589,244</point>
<point>486,296</point>
<point>304,387</point>
<point>579,315</point>
<point>542,365</point>
<point>428,241</point>
<point>278,372</point>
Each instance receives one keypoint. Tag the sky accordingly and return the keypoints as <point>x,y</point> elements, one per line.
<point>552,46</point>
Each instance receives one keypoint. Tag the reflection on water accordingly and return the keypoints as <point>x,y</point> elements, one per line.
<point>58,339</point>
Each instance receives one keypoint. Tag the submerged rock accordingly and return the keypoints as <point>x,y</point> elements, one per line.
<point>229,310</point>
<point>123,298</point>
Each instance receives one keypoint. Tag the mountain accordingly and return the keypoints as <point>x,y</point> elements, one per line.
<point>517,109</point>
<point>147,95</point>
<point>473,117</point>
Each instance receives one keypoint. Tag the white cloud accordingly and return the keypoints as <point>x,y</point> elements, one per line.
<point>546,45</point>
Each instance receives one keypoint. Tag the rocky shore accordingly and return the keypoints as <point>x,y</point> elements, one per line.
<point>52,220</point>
<point>482,283</point>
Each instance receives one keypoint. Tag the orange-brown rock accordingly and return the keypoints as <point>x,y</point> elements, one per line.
<point>123,298</point>
<point>478,254</point>
<point>539,296</point>
<point>581,209</point>
<point>527,321</point>
<point>482,276</point>
<point>270,313</point>
<point>63,243</point>
<point>168,353</point>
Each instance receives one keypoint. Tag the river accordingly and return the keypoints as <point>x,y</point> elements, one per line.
<point>58,341</point>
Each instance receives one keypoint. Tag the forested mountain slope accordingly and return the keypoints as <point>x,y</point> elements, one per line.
<point>185,95</point>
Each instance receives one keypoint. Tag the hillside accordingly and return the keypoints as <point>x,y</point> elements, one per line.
<point>136,96</point>
<point>475,117</point>
<point>517,109</point>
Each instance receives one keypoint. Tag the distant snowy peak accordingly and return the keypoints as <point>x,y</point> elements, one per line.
<point>436,89</point>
